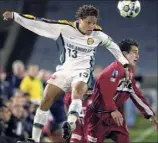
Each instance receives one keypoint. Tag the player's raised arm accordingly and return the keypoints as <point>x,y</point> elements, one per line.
<point>115,50</point>
<point>42,27</point>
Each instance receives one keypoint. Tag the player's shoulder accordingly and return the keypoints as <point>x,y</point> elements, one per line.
<point>66,22</point>
<point>118,66</point>
<point>115,66</point>
<point>98,28</point>
<point>28,16</point>
<point>63,22</point>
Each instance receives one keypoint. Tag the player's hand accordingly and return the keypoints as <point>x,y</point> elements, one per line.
<point>117,116</point>
<point>154,123</point>
<point>7,15</point>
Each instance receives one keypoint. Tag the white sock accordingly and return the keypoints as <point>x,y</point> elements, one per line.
<point>75,106</point>
<point>40,120</point>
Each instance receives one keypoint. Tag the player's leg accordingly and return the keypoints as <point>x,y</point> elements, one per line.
<point>51,93</point>
<point>120,137</point>
<point>77,135</point>
<point>55,88</point>
<point>119,134</point>
<point>79,88</point>
<point>94,131</point>
<point>59,116</point>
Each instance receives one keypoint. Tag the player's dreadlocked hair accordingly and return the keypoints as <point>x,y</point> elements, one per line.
<point>87,10</point>
<point>125,45</point>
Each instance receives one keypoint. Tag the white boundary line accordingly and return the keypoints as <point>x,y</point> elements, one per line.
<point>146,133</point>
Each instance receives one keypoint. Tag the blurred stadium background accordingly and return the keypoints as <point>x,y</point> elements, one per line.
<point>17,43</point>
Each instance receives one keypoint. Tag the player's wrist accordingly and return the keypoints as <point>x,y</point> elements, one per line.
<point>12,15</point>
<point>126,66</point>
<point>152,118</point>
<point>113,111</point>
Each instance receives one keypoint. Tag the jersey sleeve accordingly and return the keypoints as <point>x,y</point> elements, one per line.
<point>40,26</point>
<point>141,102</point>
<point>113,48</point>
<point>108,83</point>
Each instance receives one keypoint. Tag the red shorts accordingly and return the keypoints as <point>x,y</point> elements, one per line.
<point>78,134</point>
<point>101,126</point>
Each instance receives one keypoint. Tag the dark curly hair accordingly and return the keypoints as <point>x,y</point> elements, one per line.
<point>87,10</point>
<point>125,45</point>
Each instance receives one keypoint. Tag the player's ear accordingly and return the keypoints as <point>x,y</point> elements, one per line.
<point>79,20</point>
<point>124,53</point>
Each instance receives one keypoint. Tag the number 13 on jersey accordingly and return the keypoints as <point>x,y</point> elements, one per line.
<point>72,53</point>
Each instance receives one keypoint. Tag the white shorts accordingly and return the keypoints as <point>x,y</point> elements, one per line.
<point>65,79</point>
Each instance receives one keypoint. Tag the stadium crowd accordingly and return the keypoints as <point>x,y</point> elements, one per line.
<point>20,95</point>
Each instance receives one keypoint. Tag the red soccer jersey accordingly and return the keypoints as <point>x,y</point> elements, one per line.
<point>111,91</point>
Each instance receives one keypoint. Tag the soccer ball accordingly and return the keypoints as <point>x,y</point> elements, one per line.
<point>129,8</point>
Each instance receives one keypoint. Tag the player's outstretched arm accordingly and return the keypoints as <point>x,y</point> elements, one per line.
<point>115,50</point>
<point>39,26</point>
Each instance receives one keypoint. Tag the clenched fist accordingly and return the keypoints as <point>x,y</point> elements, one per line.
<point>7,15</point>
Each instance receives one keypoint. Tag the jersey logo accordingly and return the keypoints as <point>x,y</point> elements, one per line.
<point>90,41</point>
<point>114,75</point>
<point>124,86</point>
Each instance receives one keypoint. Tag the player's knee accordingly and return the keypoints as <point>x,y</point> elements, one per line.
<point>51,93</point>
<point>44,104</point>
<point>123,139</point>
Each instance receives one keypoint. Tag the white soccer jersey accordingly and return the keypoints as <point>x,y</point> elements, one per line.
<point>77,51</point>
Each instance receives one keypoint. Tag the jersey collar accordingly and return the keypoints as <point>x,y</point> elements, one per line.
<point>77,27</point>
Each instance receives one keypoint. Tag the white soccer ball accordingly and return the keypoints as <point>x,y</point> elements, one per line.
<point>129,8</point>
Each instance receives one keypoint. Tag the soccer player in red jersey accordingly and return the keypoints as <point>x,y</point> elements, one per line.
<point>105,114</point>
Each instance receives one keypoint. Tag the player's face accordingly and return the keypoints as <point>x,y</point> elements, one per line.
<point>133,56</point>
<point>87,24</point>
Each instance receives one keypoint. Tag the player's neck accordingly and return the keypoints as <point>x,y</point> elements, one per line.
<point>80,29</point>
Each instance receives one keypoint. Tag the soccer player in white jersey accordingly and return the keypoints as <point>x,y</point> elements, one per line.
<point>79,40</point>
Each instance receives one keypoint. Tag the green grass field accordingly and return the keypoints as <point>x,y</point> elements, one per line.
<point>142,125</point>
<point>142,132</point>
